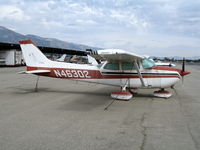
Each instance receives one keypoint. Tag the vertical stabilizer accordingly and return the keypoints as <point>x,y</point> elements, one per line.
<point>32,55</point>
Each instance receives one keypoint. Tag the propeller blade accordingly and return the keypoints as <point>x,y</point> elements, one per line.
<point>183,65</point>
<point>182,79</point>
<point>183,69</point>
<point>173,88</point>
<point>175,91</point>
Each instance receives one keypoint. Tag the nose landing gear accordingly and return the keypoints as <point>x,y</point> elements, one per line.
<point>162,93</point>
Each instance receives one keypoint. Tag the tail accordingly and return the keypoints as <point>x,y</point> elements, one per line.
<point>32,55</point>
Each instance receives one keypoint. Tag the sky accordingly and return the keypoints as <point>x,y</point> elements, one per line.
<point>147,27</point>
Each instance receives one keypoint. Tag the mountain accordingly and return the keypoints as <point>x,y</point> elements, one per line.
<point>193,58</point>
<point>176,58</point>
<point>9,36</point>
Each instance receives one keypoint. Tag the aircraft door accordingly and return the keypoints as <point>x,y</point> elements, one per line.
<point>152,76</point>
<point>130,70</point>
<point>110,70</point>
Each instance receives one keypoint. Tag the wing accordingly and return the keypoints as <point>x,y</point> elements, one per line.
<point>35,72</point>
<point>116,56</point>
<point>120,56</point>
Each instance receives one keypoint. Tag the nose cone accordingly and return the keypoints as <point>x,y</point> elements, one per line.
<point>183,73</point>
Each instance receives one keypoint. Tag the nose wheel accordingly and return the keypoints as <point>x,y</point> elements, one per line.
<point>162,93</point>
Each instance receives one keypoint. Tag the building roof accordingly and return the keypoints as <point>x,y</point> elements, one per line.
<point>9,46</point>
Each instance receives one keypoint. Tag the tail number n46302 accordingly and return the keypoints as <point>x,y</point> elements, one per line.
<point>72,73</point>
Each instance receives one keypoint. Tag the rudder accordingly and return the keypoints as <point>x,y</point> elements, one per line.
<point>32,54</point>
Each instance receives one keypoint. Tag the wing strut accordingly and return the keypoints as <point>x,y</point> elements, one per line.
<point>139,73</point>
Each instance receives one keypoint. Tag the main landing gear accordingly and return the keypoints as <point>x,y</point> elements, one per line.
<point>162,93</point>
<point>120,95</point>
<point>123,94</point>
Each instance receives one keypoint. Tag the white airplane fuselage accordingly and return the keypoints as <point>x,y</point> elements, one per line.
<point>153,78</point>
<point>133,72</point>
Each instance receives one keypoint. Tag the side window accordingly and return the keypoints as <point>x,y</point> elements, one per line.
<point>112,66</point>
<point>128,66</point>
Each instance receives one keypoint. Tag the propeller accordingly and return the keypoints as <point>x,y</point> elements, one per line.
<point>183,69</point>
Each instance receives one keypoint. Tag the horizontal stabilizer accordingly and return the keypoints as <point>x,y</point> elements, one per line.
<point>34,72</point>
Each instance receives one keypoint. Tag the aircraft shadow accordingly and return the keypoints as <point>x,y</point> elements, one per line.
<point>87,100</point>
<point>100,92</point>
<point>83,101</point>
<point>49,90</point>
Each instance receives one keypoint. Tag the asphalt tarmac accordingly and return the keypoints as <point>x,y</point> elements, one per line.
<point>69,115</point>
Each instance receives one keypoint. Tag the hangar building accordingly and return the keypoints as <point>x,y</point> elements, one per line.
<point>11,54</point>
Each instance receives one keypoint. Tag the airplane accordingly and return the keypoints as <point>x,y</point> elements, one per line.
<point>120,68</point>
<point>75,59</point>
<point>159,63</point>
<point>62,58</point>
<point>92,60</point>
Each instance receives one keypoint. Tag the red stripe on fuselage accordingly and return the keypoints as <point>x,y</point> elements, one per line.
<point>166,68</point>
<point>181,72</point>
<point>91,74</point>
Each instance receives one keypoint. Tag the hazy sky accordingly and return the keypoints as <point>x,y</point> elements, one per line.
<point>151,27</point>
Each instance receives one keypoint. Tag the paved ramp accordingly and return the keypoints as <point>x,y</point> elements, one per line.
<point>64,114</point>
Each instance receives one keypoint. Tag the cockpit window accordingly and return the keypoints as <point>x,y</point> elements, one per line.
<point>128,66</point>
<point>146,63</point>
<point>112,66</point>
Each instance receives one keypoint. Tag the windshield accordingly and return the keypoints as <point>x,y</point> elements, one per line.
<point>146,63</point>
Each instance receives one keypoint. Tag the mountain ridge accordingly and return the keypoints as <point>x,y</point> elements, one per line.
<point>176,57</point>
<point>10,36</point>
